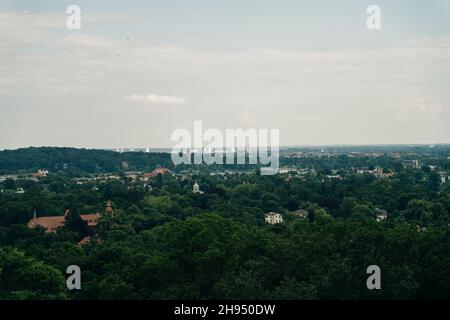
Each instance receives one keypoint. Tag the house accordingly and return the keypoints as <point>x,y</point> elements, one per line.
<point>334,176</point>
<point>154,173</point>
<point>273,218</point>
<point>51,224</point>
<point>40,174</point>
<point>377,172</point>
<point>300,213</point>
<point>19,191</point>
<point>132,175</point>
<point>380,173</point>
<point>413,164</point>
<point>381,214</point>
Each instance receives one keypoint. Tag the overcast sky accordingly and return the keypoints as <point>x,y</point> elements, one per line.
<point>136,71</point>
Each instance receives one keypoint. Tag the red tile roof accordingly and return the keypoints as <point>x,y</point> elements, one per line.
<point>49,223</point>
<point>53,223</point>
<point>155,172</point>
<point>84,241</point>
<point>91,219</point>
<point>38,175</point>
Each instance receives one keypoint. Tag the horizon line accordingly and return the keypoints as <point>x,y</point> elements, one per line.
<point>141,149</point>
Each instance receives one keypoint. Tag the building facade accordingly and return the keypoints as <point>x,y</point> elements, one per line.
<point>273,218</point>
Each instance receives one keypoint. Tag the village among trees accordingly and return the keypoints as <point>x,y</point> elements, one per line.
<point>141,228</point>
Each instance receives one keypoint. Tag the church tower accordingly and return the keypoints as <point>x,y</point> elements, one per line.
<point>195,188</point>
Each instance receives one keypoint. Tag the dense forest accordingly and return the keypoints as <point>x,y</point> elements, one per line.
<point>85,161</point>
<point>162,241</point>
<point>78,160</point>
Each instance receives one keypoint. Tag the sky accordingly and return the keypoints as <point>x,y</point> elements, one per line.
<point>136,71</point>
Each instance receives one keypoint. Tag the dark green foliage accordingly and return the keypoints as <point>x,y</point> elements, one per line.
<point>74,223</point>
<point>78,161</point>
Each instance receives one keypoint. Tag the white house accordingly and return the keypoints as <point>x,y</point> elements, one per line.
<point>381,214</point>
<point>414,164</point>
<point>273,218</point>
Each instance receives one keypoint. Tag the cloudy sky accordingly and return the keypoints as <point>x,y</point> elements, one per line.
<point>137,71</point>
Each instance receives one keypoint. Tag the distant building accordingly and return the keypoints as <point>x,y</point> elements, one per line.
<point>84,241</point>
<point>381,214</point>
<point>362,171</point>
<point>443,175</point>
<point>377,172</point>
<point>19,191</point>
<point>51,224</point>
<point>40,174</point>
<point>154,173</point>
<point>380,173</point>
<point>300,213</point>
<point>8,176</point>
<point>196,188</point>
<point>273,218</point>
<point>109,208</point>
<point>413,164</point>
<point>132,175</point>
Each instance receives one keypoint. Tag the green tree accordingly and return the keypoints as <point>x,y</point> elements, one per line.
<point>23,277</point>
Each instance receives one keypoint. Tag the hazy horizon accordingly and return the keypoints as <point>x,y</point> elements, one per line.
<point>282,147</point>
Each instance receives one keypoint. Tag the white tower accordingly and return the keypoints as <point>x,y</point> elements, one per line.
<point>196,188</point>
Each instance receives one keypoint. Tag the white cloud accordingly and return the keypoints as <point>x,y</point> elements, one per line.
<point>155,99</point>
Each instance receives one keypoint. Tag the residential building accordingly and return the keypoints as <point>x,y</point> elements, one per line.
<point>40,174</point>
<point>413,164</point>
<point>154,173</point>
<point>19,191</point>
<point>300,213</point>
<point>381,214</point>
<point>273,218</point>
